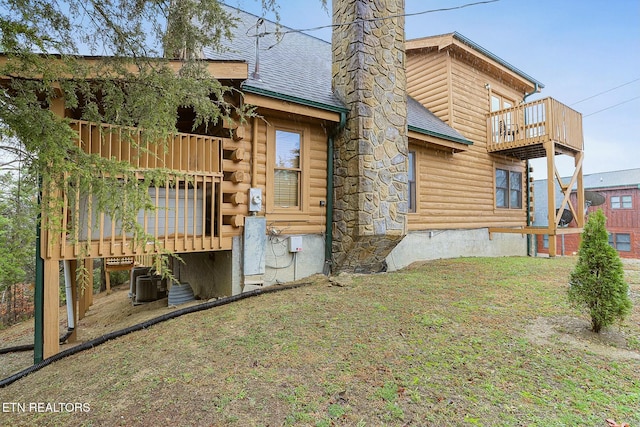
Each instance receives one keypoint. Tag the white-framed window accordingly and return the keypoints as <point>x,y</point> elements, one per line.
<point>504,126</point>
<point>288,168</point>
<point>621,202</point>
<point>620,241</point>
<point>508,189</point>
<point>287,171</point>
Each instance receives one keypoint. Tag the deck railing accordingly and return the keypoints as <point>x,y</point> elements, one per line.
<point>183,152</point>
<point>534,123</point>
<point>188,213</point>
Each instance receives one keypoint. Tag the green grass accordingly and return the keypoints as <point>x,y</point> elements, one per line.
<point>445,343</point>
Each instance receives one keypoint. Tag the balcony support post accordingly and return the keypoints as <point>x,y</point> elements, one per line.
<point>551,197</point>
<point>580,208</point>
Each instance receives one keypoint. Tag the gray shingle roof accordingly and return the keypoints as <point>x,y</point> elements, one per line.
<point>296,66</point>
<point>293,65</point>
<point>624,178</point>
<point>424,121</point>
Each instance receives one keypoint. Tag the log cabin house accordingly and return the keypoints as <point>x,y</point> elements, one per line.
<point>367,154</point>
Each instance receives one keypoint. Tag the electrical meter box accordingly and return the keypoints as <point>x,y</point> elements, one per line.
<point>255,199</point>
<point>295,243</point>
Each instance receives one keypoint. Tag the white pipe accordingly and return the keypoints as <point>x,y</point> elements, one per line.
<point>69,295</point>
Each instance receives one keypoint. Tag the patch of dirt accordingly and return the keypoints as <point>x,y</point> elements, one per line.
<point>108,313</point>
<point>577,334</point>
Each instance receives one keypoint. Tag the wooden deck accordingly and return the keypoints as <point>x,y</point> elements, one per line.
<point>188,215</point>
<point>524,130</point>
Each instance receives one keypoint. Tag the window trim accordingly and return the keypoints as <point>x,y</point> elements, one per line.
<point>305,149</point>
<point>503,126</point>
<point>614,241</point>
<point>509,171</point>
<point>412,209</point>
<point>620,203</point>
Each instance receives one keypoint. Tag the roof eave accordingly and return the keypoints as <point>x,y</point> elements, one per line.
<point>440,135</point>
<point>289,98</point>
<point>445,40</point>
<point>496,58</point>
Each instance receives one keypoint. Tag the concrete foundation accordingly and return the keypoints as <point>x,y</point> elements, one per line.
<point>211,274</point>
<point>436,244</point>
<point>283,266</point>
<point>218,274</point>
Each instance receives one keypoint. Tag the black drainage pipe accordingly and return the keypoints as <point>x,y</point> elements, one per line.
<point>29,347</point>
<point>144,325</point>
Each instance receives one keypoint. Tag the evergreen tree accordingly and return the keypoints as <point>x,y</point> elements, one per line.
<point>597,283</point>
<point>128,81</point>
<point>17,230</point>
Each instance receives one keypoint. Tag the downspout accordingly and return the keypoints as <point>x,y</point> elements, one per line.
<point>328,240</point>
<point>38,297</point>
<point>536,89</point>
<point>254,154</point>
<point>69,295</point>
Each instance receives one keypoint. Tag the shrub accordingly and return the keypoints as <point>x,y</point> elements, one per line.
<point>597,282</point>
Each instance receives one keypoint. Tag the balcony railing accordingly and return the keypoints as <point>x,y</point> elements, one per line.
<point>188,213</point>
<point>183,153</point>
<point>524,129</point>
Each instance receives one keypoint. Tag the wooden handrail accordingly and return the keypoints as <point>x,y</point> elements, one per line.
<point>187,218</point>
<point>534,123</point>
<point>183,152</point>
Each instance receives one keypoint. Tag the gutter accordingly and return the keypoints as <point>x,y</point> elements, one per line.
<point>499,60</point>
<point>536,89</point>
<point>328,236</point>
<point>439,135</point>
<point>288,98</point>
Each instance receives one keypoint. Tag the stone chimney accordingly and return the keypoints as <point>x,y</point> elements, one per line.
<point>370,178</point>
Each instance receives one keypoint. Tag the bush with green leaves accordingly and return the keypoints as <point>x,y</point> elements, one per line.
<point>17,230</point>
<point>597,283</point>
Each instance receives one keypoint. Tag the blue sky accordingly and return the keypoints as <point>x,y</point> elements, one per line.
<point>576,48</point>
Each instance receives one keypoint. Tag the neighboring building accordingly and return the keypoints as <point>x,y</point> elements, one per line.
<point>367,154</point>
<point>617,193</point>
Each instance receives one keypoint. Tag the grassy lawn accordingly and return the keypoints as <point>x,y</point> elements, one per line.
<point>465,342</point>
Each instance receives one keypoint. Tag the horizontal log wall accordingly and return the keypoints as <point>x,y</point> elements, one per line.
<point>312,218</point>
<point>428,82</point>
<point>457,190</point>
<point>236,167</point>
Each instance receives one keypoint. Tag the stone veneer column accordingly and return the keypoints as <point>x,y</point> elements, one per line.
<point>370,178</point>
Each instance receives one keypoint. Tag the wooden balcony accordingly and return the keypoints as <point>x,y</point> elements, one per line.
<point>182,153</point>
<point>188,215</point>
<point>524,131</point>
